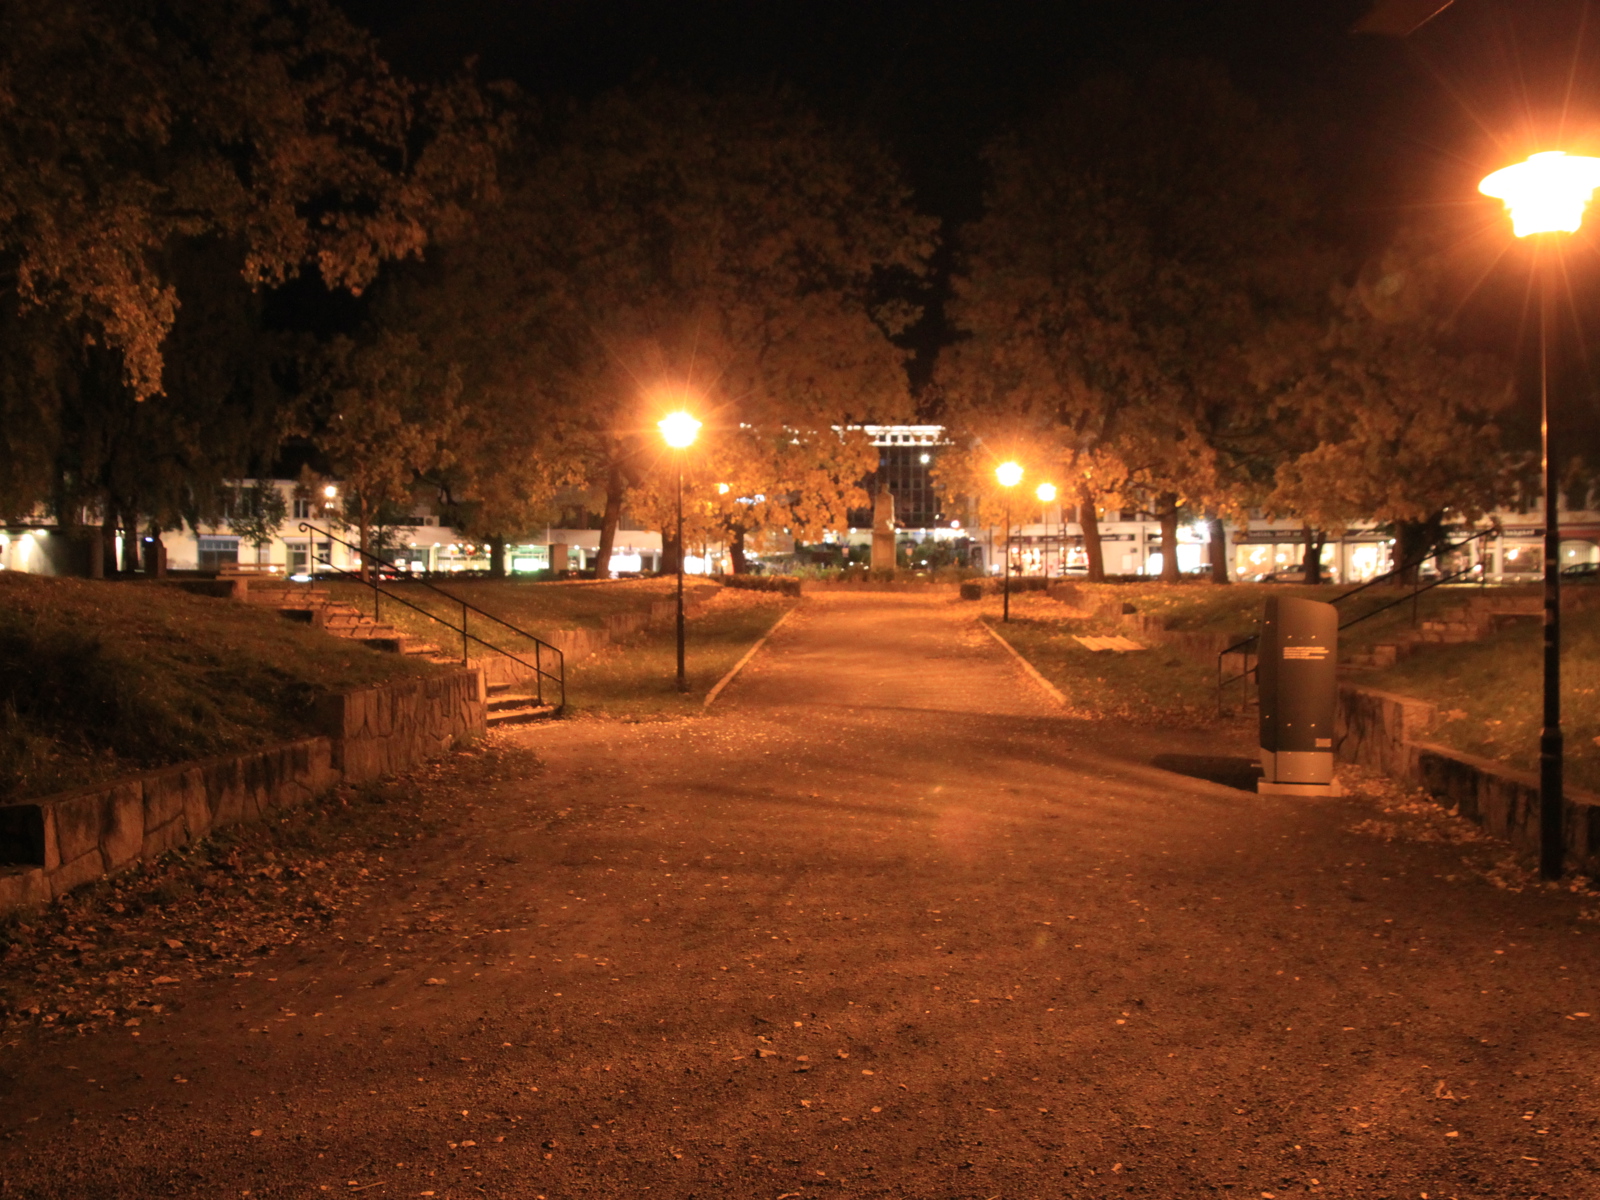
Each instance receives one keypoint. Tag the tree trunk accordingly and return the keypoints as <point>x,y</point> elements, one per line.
<point>1169,539</point>
<point>97,552</point>
<point>366,540</point>
<point>155,554</point>
<point>1089,521</point>
<point>741,565</point>
<point>671,552</point>
<point>1412,541</point>
<point>497,557</point>
<point>1217,551</point>
<point>130,542</point>
<point>616,487</point>
<point>1313,554</point>
<point>108,543</point>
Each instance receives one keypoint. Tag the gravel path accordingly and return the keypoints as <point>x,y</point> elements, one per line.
<point>882,925</point>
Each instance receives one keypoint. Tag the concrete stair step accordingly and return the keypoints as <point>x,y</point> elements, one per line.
<point>521,715</point>
<point>505,701</point>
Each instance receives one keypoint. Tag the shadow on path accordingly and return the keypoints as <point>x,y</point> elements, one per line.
<point>1230,771</point>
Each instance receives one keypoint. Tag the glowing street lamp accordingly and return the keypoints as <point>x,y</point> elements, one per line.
<point>1009,474</point>
<point>1047,496</point>
<point>679,429</point>
<point>1546,196</point>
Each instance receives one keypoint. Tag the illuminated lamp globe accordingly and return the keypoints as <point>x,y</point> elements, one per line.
<point>1009,474</point>
<point>679,429</point>
<point>1046,492</point>
<point>330,491</point>
<point>1546,194</point>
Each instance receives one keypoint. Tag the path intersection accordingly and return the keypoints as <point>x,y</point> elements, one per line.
<point>883,924</point>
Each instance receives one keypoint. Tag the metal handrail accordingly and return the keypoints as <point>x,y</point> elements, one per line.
<point>559,677</point>
<point>1417,590</point>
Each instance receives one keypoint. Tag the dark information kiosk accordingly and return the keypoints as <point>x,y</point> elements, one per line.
<point>1297,672</point>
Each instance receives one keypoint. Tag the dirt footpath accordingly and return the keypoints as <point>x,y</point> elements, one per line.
<point>882,925</point>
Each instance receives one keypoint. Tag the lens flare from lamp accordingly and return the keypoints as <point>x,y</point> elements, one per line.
<point>1546,194</point>
<point>679,429</point>
<point>1046,492</point>
<point>1009,474</point>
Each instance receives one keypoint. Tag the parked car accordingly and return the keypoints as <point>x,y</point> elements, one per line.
<point>1581,573</point>
<point>1295,576</point>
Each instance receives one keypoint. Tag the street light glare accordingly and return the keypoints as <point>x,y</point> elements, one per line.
<point>330,491</point>
<point>1546,194</point>
<point>679,429</point>
<point>1046,492</point>
<point>1009,474</point>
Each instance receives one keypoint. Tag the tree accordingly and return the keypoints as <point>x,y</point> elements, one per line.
<point>661,248</point>
<point>1393,419</point>
<point>384,415</point>
<point>1135,236</point>
<point>256,511</point>
<point>163,162</point>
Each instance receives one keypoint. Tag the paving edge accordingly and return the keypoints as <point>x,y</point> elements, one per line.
<point>1032,671</point>
<point>748,655</point>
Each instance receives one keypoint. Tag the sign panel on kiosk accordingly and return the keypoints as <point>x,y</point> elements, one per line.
<point>1297,672</point>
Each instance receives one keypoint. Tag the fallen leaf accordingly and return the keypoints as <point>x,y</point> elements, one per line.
<point>434,982</point>
<point>159,979</point>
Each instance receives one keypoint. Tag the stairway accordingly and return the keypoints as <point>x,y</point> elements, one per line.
<point>1474,618</point>
<point>312,605</point>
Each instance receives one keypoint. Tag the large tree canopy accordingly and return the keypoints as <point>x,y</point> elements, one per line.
<point>667,248</point>
<point>1135,236</point>
<point>138,138</point>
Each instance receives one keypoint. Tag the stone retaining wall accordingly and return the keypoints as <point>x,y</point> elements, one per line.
<point>1385,731</point>
<point>381,730</point>
<point>53,844</point>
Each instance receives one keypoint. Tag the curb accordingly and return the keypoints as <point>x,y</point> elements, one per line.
<point>748,655</point>
<point>1032,671</point>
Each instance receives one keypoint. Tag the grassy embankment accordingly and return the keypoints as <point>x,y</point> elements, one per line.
<point>101,679</point>
<point>633,679</point>
<point>1488,692</point>
<point>1161,684</point>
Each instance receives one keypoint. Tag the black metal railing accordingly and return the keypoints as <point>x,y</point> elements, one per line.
<point>1418,587</point>
<point>373,580</point>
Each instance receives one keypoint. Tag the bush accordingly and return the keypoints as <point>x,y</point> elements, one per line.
<point>786,584</point>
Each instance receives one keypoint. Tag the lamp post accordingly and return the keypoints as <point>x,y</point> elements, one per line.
<point>1047,495</point>
<point>1009,474</point>
<point>679,430</point>
<point>1545,197</point>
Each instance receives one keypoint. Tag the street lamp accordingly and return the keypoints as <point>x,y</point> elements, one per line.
<point>1546,196</point>
<point>679,430</point>
<point>1009,474</point>
<point>1047,495</point>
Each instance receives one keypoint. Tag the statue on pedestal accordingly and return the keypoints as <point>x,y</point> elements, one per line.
<point>883,531</point>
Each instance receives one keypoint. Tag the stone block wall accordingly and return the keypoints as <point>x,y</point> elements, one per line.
<point>53,844</point>
<point>380,730</point>
<point>1386,731</point>
<point>58,842</point>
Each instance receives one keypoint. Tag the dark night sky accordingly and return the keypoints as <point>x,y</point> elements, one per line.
<point>1393,130</point>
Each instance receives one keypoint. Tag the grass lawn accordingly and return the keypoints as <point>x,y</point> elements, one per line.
<point>1235,609</point>
<point>1158,684</point>
<point>1490,694</point>
<point>637,679</point>
<point>99,679</point>
<point>540,608</point>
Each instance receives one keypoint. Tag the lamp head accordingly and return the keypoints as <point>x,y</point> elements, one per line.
<point>1546,194</point>
<point>1009,474</point>
<point>330,491</point>
<point>679,429</point>
<point>1046,492</point>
